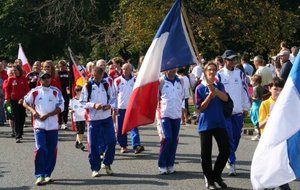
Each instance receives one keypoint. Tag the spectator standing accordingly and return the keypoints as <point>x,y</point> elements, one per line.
<point>294,52</point>
<point>235,85</point>
<point>247,67</point>
<point>275,88</point>
<point>258,92</point>
<point>45,102</point>
<point>220,62</point>
<point>286,64</point>
<point>263,71</point>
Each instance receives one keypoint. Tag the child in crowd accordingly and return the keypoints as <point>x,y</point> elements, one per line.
<point>77,111</point>
<point>258,92</point>
<point>275,88</point>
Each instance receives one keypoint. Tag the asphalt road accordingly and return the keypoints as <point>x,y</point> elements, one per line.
<point>131,171</point>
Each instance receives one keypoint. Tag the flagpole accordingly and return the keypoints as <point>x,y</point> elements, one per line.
<point>190,32</point>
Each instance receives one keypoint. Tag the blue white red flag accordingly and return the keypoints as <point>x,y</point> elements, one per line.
<point>170,48</point>
<point>276,160</point>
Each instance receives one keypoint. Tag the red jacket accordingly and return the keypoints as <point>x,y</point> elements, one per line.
<point>16,88</point>
<point>3,75</point>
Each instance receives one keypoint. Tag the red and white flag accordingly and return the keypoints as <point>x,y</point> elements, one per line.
<point>25,63</point>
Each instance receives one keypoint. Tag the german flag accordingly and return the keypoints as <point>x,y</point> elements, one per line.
<point>75,76</point>
<point>75,79</point>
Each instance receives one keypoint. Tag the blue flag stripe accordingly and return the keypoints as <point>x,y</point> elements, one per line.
<point>293,143</point>
<point>295,73</point>
<point>177,52</point>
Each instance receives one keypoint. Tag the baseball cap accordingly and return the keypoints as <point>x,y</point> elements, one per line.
<point>229,54</point>
<point>44,74</point>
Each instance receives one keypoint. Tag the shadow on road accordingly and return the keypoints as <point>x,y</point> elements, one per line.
<point>99,181</point>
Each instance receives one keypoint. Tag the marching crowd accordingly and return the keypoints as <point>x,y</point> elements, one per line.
<point>100,106</point>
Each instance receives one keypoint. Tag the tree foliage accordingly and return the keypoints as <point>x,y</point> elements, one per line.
<point>107,28</point>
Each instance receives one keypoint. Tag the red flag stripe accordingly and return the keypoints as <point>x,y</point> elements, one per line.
<point>142,97</point>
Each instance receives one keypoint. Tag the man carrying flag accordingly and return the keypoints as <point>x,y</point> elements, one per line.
<point>276,160</point>
<point>171,48</point>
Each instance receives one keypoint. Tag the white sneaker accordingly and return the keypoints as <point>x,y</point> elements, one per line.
<point>171,170</point>
<point>64,127</point>
<point>255,138</point>
<point>163,171</point>
<point>232,171</point>
<point>95,174</point>
<point>228,165</point>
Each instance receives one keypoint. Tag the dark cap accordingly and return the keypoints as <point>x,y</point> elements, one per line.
<point>229,54</point>
<point>44,74</point>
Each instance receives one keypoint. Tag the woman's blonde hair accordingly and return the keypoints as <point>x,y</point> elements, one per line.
<point>53,71</point>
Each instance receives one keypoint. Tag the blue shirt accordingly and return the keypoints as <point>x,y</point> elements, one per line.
<point>213,116</point>
<point>248,69</point>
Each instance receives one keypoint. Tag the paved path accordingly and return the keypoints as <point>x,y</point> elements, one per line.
<point>131,171</point>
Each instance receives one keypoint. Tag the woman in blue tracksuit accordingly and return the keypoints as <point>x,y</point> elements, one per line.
<point>209,97</point>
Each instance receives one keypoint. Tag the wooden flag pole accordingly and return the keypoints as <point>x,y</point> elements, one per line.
<point>190,32</point>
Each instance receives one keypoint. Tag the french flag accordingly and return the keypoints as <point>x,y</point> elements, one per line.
<point>276,160</point>
<point>170,48</point>
<point>25,63</point>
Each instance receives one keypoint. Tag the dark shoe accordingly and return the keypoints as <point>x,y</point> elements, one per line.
<point>139,149</point>
<point>18,141</point>
<point>222,184</point>
<point>82,147</point>
<point>77,144</point>
<point>212,186</point>
<point>13,135</point>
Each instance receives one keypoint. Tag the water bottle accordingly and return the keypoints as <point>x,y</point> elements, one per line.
<point>8,108</point>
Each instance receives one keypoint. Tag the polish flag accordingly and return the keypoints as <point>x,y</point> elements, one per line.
<point>170,48</point>
<point>25,63</point>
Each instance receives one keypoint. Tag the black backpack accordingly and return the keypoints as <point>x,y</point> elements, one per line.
<point>89,89</point>
<point>227,107</point>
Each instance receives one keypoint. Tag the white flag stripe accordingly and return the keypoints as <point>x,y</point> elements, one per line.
<point>152,62</point>
<point>21,55</point>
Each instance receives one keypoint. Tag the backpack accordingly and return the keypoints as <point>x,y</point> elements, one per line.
<point>89,89</point>
<point>227,107</point>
